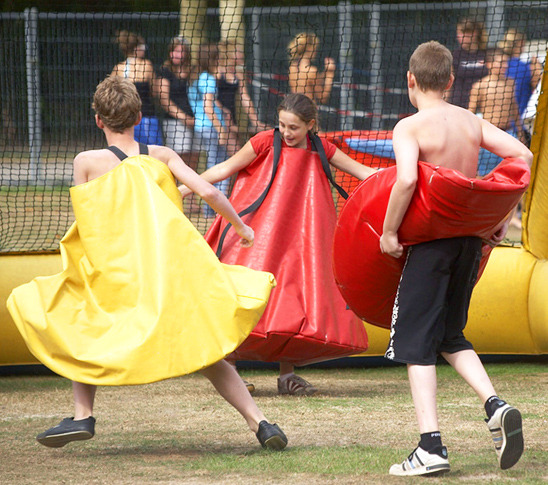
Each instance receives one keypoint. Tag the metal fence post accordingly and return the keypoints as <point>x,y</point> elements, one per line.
<point>33,91</point>
<point>377,85</point>
<point>256,42</point>
<point>347,65</point>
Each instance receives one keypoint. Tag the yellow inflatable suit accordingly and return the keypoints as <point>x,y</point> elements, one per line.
<point>141,297</point>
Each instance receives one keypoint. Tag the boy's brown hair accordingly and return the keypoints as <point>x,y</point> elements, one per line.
<point>431,64</point>
<point>117,102</point>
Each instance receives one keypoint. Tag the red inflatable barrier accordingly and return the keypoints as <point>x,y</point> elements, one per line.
<point>445,204</point>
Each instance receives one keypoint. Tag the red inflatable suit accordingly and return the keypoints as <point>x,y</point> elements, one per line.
<point>445,204</point>
<point>306,319</point>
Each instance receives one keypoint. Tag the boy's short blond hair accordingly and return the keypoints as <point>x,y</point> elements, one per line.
<point>117,102</point>
<point>431,64</point>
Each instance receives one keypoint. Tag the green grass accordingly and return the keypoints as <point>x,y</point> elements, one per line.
<point>181,431</point>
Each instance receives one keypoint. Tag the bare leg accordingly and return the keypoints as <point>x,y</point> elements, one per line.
<point>84,396</point>
<point>423,383</point>
<point>469,366</point>
<point>231,387</point>
<point>286,368</point>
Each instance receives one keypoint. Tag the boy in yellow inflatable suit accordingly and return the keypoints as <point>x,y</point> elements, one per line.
<point>141,296</point>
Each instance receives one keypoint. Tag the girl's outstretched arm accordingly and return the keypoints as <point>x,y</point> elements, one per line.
<point>214,197</point>
<point>224,170</point>
<point>348,165</point>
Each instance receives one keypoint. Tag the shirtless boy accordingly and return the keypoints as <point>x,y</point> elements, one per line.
<point>428,318</point>
<point>493,95</point>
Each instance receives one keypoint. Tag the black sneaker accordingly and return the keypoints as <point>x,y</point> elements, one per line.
<point>66,431</point>
<point>271,436</point>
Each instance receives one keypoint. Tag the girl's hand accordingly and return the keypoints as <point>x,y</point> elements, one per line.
<point>184,190</point>
<point>189,122</point>
<point>247,234</point>
<point>223,137</point>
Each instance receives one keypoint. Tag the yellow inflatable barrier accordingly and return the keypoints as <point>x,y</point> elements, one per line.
<point>509,308</point>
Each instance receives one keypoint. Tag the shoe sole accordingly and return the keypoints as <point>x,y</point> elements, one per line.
<point>275,443</point>
<point>512,447</point>
<point>431,471</point>
<point>60,440</point>
<point>298,393</point>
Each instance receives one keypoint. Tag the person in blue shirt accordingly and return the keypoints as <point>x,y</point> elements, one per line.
<point>526,73</point>
<point>209,126</point>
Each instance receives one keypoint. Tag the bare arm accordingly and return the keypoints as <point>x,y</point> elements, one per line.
<point>169,106</point>
<point>474,100</point>
<point>505,146</point>
<point>80,169</point>
<point>406,149</point>
<point>324,84</point>
<point>536,72</point>
<point>502,144</point>
<point>344,163</point>
<point>247,104</point>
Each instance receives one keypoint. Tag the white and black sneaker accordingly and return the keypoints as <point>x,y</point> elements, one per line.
<point>66,431</point>
<point>507,434</point>
<point>421,462</point>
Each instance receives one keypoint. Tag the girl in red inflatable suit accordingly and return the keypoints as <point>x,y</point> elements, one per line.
<point>285,195</point>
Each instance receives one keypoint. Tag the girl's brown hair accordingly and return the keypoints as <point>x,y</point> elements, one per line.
<point>175,42</point>
<point>300,105</point>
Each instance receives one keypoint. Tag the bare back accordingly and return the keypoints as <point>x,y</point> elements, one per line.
<point>92,164</point>
<point>302,78</point>
<point>448,136</point>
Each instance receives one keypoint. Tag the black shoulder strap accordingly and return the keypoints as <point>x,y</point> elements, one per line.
<point>143,150</point>
<point>255,205</point>
<point>318,147</point>
<point>119,153</point>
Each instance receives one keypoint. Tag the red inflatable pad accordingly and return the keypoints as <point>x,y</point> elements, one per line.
<point>445,204</point>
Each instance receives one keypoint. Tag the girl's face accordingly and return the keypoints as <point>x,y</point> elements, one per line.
<point>177,55</point>
<point>293,129</point>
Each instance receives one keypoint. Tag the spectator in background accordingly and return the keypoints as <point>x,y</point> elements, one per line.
<point>140,72</point>
<point>232,93</point>
<point>492,98</point>
<point>468,60</point>
<point>179,120</point>
<point>526,73</point>
<point>210,128</point>
<point>304,77</point>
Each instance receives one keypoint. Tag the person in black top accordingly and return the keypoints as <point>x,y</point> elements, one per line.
<point>179,120</point>
<point>140,72</point>
<point>468,60</point>
<point>232,94</point>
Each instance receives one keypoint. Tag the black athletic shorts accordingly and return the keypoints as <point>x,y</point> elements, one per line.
<point>431,306</point>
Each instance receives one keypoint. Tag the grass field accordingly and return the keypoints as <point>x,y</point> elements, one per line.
<point>181,431</point>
